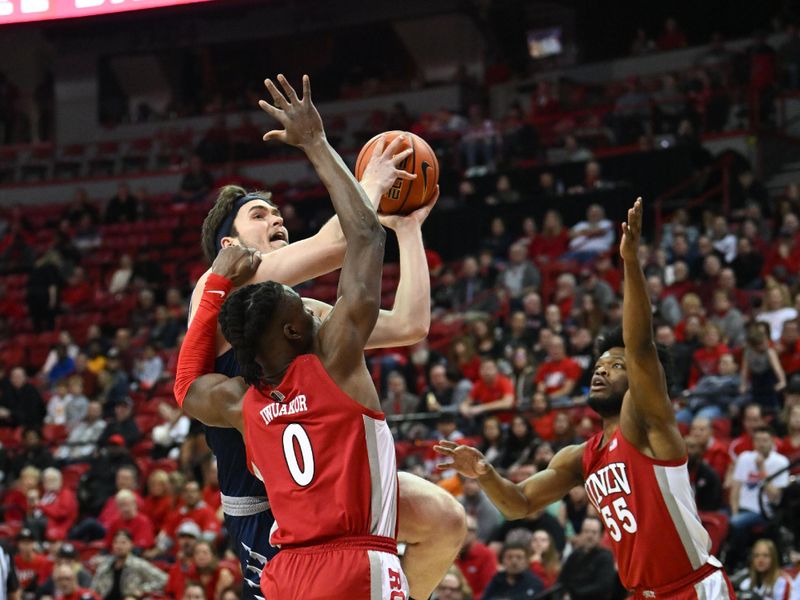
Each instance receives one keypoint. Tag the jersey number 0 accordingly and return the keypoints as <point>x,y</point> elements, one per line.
<point>302,476</point>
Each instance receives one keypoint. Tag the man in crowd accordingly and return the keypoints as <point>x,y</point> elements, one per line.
<point>589,573</point>
<point>516,580</point>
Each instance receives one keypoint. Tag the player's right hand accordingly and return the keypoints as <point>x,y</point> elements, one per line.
<point>467,460</point>
<point>382,169</point>
<point>237,263</point>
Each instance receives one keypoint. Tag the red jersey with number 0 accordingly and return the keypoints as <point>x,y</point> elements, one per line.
<point>649,512</point>
<point>328,462</point>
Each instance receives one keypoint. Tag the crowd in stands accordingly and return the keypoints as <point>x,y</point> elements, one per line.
<point>108,491</point>
<point>100,468</point>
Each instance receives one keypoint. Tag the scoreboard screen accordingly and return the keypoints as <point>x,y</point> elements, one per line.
<point>27,11</point>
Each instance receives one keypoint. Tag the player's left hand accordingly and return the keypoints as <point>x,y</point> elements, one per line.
<point>414,219</point>
<point>632,233</point>
<point>237,263</point>
<point>467,460</point>
<point>382,169</point>
<point>299,117</point>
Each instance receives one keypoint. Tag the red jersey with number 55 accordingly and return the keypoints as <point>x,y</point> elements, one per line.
<point>648,509</point>
<point>328,462</point>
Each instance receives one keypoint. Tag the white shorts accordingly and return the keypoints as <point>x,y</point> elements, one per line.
<point>387,580</point>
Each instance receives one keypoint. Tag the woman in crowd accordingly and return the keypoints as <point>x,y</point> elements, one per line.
<point>545,561</point>
<point>765,579</point>
<point>518,443</point>
<point>492,441</point>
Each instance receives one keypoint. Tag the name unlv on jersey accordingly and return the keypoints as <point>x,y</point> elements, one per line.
<point>296,405</point>
<point>611,479</point>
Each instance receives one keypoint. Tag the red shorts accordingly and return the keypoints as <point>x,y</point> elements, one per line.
<point>715,586</point>
<point>347,570</point>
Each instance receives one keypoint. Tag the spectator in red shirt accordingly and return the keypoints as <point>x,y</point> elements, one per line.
<point>789,446</point>
<point>125,479</point>
<point>32,568</point>
<point>493,393</point>
<point>78,292</point>
<point>557,376</point>
<point>193,509</point>
<point>58,504</point>
<point>66,584</point>
<point>187,534</point>
<point>207,570</point>
<point>752,419</point>
<point>476,561</point>
<point>131,520</point>
<point>788,347</point>
<point>464,358</point>
<point>716,452</point>
<point>552,242</point>
<point>15,501</point>
<point>705,359</point>
<point>159,502</point>
<point>545,561</point>
<point>542,419</point>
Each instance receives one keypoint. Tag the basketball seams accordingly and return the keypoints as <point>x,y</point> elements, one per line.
<point>422,153</point>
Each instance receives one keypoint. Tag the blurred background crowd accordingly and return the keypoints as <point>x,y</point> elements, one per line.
<point>108,490</point>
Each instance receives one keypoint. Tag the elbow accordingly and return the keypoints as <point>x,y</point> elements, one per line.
<point>417,332</point>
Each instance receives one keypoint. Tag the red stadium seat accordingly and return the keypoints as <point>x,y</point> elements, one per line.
<point>716,523</point>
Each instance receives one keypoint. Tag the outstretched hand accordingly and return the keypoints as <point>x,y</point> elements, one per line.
<point>383,170</point>
<point>299,117</point>
<point>467,460</point>
<point>416,218</point>
<point>237,263</point>
<point>632,233</point>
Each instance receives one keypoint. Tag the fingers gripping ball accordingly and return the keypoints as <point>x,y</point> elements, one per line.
<point>405,196</point>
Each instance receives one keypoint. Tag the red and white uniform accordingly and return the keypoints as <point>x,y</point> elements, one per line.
<point>647,505</point>
<point>328,464</point>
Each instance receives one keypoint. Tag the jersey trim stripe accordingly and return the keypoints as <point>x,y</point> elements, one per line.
<point>375,576</point>
<point>374,473</point>
<point>677,495</point>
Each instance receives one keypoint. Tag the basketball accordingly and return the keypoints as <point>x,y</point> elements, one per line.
<point>405,196</point>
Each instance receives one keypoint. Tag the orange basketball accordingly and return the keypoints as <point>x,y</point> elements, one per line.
<point>405,196</point>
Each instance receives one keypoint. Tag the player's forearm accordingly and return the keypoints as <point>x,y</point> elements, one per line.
<point>357,216</point>
<point>198,350</point>
<point>637,313</point>
<point>504,494</point>
<point>409,319</point>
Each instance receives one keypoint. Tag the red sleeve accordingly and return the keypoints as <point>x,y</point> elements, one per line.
<point>198,349</point>
<point>144,533</point>
<point>507,386</point>
<point>575,370</point>
<point>541,372</point>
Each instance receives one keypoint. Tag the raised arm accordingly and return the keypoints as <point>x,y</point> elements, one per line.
<point>343,335</point>
<point>517,500</point>
<point>647,417</point>
<point>409,319</point>
<point>324,251</point>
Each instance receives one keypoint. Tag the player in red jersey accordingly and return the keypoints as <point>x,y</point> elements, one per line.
<point>306,404</point>
<point>634,471</point>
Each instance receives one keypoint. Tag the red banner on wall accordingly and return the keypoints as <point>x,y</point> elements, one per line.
<point>21,11</point>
